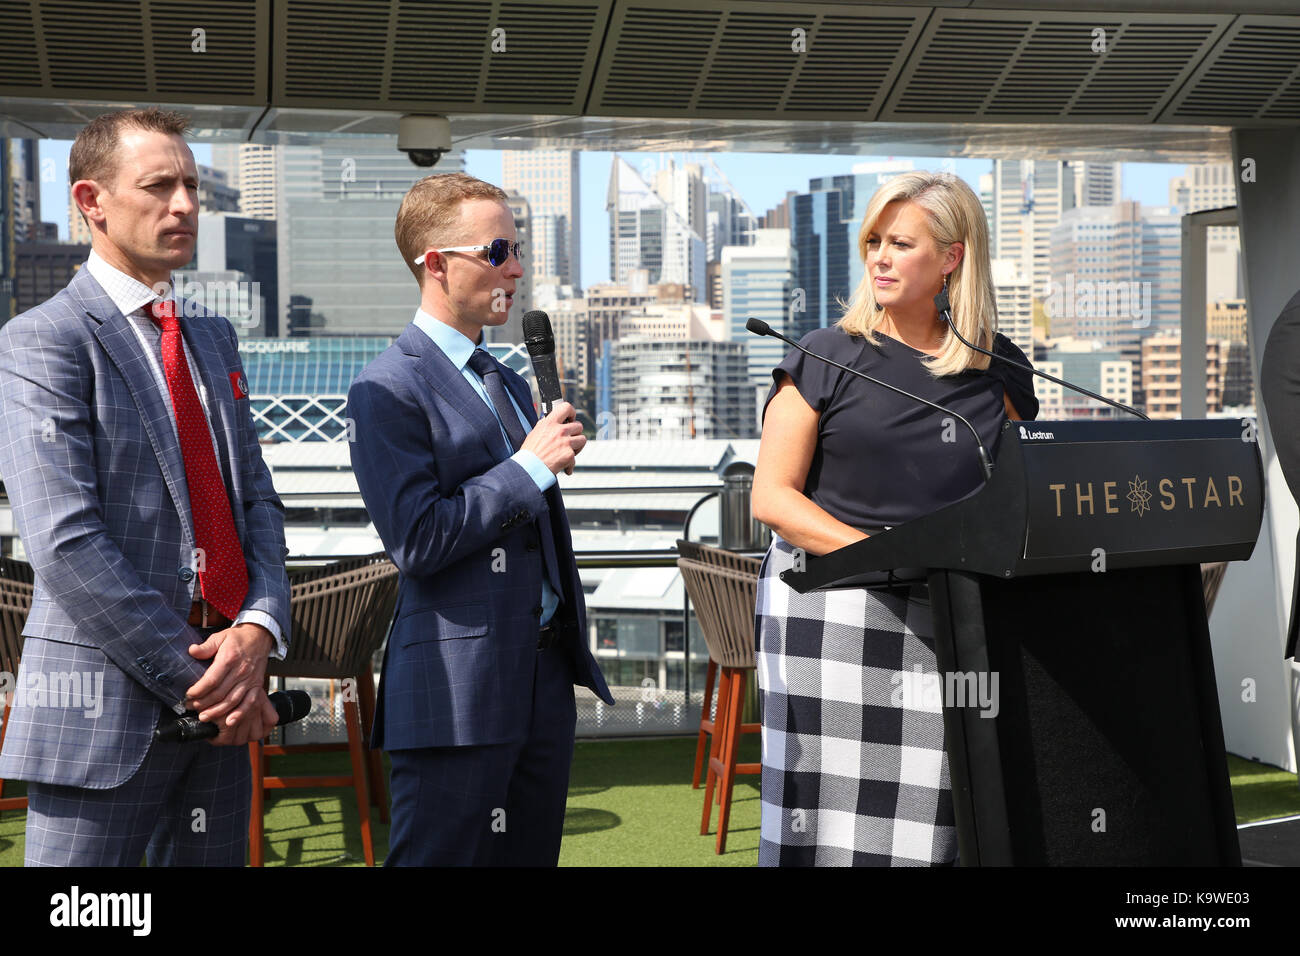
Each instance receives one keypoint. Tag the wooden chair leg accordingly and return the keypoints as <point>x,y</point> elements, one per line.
<point>728,781</point>
<point>706,724</point>
<point>360,776</point>
<point>366,696</point>
<point>715,751</point>
<point>257,806</point>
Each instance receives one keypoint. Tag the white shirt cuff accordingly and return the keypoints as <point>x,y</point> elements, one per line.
<point>268,622</point>
<point>542,476</point>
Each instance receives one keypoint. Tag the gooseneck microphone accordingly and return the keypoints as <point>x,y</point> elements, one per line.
<point>759,327</point>
<point>945,314</point>
<point>290,705</point>
<point>541,350</point>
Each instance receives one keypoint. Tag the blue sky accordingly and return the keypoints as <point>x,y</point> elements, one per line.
<point>762,179</point>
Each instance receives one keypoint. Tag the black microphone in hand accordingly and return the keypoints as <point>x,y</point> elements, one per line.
<point>541,350</point>
<point>290,705</point>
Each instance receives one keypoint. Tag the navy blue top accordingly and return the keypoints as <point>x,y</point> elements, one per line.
<point>882,459</point>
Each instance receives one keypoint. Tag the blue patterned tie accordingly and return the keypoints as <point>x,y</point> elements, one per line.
<point>486,368</point>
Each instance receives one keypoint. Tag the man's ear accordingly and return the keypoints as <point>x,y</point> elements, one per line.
<point>86,193</point>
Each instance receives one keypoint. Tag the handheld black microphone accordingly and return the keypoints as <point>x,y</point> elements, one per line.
<point>759,327</point>
<point>945,313</point>
<point>541,350</point>
<point>290,705</point>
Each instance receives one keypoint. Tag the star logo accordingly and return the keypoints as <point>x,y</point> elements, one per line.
<point>1138,496</point>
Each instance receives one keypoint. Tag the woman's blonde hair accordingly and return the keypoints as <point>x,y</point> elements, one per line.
<point>955,214</point>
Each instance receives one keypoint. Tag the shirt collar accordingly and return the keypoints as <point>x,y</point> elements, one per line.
<point>454,344</point>
<point>128,294</point>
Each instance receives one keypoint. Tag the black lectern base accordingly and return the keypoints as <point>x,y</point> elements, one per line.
<point>1106,747</point>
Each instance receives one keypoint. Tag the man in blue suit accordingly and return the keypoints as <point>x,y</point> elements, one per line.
<point>476,706</point>
<point>130,458</point>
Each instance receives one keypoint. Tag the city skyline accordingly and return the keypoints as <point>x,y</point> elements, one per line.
<point>762,184</point>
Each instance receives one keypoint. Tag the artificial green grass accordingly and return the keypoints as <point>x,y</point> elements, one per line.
<point>630,804</point>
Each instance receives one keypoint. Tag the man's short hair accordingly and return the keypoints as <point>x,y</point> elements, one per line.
<point>429,216</point>
<point>96,149</point>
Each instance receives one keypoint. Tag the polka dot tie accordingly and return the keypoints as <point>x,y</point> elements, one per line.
<point>223,575</point>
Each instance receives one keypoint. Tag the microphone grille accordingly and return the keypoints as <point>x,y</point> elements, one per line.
<point>536,322</point>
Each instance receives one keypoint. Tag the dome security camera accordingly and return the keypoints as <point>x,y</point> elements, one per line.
<point>424,139</point>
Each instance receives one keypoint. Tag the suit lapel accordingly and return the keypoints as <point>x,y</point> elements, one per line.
<point>450,384</point>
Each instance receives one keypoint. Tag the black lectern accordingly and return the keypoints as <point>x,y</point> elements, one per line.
<point>1069,586</point>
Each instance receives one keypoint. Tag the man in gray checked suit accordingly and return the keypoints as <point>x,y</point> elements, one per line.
<point>130,458</point>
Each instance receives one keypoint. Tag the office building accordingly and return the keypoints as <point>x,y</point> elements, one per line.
<point>1213,186</point>
<point>549,181</point>
<point>757,282</point>
<point>340,272</point>
<point>826,222</point>
<point>653,231</point>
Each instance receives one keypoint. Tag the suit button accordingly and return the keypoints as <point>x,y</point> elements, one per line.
<point>531,545</point>
<point>537,611</point>
<point>164,679</point>
<point>186,574</point>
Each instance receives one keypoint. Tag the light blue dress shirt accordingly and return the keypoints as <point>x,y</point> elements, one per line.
<point>458,349</point>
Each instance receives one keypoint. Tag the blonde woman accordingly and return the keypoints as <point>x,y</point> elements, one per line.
<point>854,771</point>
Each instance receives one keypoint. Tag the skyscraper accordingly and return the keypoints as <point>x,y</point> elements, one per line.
<point>757,282</point>
<point>653,231</point>
<point>1115,276</point>
<point>549,180</point>
<point>826,221</point>
<point>255,170</point>
<point>1213,187</point>
<point>1030,196</point>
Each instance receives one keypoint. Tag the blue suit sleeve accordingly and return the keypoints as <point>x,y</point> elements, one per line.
<point>425,526</point>
<point>542,476</point>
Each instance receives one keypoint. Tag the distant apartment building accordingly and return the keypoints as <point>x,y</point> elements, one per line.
<point>1162,374</point>
<point>1087,364</point>
<point>216,194</point>
<point>1015,301</point>
<point>676,390</point>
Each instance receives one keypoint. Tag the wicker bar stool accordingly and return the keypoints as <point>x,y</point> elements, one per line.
<point>15,604</point>
<point>724,603</point>
<point>341,615</point>
<point>716,557</point>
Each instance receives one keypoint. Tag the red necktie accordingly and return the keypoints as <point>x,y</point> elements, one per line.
<point>223,576</point>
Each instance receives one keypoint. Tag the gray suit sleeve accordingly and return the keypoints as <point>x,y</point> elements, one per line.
<point>47,460</point>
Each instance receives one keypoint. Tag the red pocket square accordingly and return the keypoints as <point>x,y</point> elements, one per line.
<point>239,385</point>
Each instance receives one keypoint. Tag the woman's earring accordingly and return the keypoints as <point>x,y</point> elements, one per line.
<point>945,282</point>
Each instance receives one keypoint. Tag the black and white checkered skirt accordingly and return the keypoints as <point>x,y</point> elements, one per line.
<point>854,770</point>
